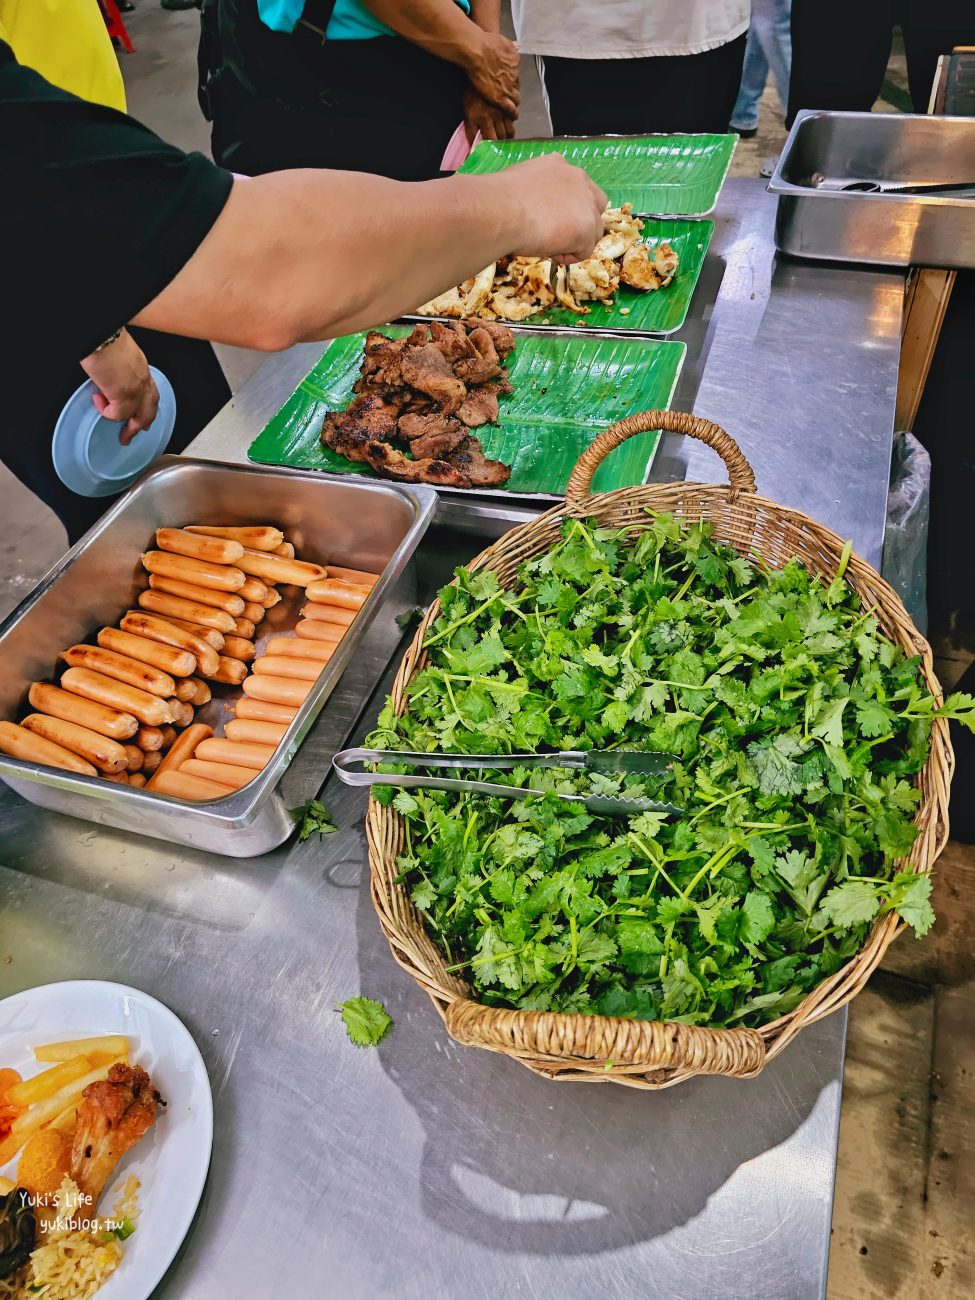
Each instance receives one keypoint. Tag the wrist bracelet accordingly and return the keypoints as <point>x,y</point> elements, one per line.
<point>113,338</point>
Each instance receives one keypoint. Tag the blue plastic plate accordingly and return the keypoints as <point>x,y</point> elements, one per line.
<point>88,457</point>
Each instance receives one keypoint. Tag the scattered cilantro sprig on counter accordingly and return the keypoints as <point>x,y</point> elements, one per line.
<point>312,818</point>
<point>366,1021</point>
<point>797,727</point>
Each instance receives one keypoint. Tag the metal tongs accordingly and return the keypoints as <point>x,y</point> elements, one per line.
<point>646,763</point>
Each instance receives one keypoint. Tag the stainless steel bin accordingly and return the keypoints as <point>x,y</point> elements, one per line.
<point>355,522</point>
<point>825,150</point>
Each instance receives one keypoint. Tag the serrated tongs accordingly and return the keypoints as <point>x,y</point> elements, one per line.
<point>604,761</point>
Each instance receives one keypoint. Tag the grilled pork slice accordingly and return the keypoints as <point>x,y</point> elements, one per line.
<point>114,1114</point>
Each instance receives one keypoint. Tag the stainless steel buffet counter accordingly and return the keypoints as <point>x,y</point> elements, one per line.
<point>420,1168</point>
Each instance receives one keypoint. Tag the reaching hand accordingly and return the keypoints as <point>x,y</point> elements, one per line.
<point>563,209</point>
<point>494,72</point>
<point>481,115</point>
<point>127,391</point>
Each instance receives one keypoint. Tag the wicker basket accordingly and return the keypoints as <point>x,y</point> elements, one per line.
<point>647,1054</point>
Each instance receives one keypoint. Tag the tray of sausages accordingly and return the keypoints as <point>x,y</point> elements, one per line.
<point>224,640</point>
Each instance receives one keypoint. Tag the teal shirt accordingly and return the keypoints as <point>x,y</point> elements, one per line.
<point>350,20</point>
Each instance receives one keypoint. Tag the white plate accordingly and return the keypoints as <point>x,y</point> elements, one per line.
<point>171,1161</point>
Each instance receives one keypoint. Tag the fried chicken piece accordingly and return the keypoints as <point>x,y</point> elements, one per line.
<point>563,292</point>
<point>478,290</point>
<point>506,303</point>
<point>469,460</point>
<point>639,271</point>
<point>666,261</point>
<point>427,369</point>
<point>432,436</point>
<point>114,1114</point>
<point>480,407</point>
<point>450,303</point>
<point>593,279</point>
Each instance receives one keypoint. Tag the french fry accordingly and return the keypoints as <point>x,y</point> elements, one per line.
<point>66,1121</point>
<point>44,1111</point>
<point>47,1083</point>
<point>109,1045</point>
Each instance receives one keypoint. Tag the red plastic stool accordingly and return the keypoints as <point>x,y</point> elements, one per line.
<point>113,21</point>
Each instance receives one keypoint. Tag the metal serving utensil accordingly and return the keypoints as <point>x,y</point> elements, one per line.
<point>646,763</point>
<point>905,187</point>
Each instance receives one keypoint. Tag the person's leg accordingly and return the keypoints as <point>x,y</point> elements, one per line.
<point>778,47</point>
<point>754,74</point>
<point>690,93</point>
<point>839,53</point>
<point>932,28</point>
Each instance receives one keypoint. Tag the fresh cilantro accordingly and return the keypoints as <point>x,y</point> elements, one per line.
<point>312,818</point>
<point>798,730</point>
<point>366,1021</point>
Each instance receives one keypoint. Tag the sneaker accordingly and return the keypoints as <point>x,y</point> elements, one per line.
<point>745,132</point>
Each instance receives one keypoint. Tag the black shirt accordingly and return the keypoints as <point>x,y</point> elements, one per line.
<point>97,216</point>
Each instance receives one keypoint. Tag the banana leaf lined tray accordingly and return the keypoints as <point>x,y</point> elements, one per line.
<point>661,175</point>
<point>567,389</point>
<point>661,311</point>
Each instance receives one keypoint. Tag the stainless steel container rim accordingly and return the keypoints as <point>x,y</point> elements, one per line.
<point>780,186</point>
<point>243,806</point>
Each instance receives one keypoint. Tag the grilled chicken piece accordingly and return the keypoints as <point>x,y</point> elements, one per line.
<point>114,1114</point>
<point>470,460</point>
<point>427,369</point>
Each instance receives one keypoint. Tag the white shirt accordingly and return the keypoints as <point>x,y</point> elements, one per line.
<point>627,29</point>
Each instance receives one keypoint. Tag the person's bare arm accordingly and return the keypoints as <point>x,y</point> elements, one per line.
<point>442,28</point>
<point>303,255</point>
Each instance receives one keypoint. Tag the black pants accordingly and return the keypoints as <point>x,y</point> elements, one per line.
<point>689,93</point>
<point>385,106</point>
<point>840,48</point>
<point>192,368</point>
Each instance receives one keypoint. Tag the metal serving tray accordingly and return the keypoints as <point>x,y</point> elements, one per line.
<point>353,522</point>
<point>819,222</point>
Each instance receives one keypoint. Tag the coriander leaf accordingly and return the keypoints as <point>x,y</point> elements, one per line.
<point>366,1021</point>
<point>850,904</point>
<point>909,896</point>
<point>404,802</point>
<point>829,721</point>
<point>757,916</point>
<point>774,765</point>
<point>873,718</point>
<point>424,895</point>
<point>312,818</point>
